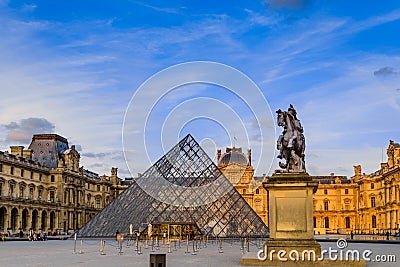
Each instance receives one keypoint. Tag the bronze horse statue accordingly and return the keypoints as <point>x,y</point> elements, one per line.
<point>291,143</point>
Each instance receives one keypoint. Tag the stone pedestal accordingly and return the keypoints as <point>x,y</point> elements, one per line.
<point>291,241</point>
<point>291,213</point>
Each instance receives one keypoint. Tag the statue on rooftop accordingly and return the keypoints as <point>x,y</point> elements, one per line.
<point>291,143</point>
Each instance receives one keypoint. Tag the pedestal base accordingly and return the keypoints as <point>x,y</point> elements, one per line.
<point>253,261</point>
<point>307,247</point>
<point>291,240</point>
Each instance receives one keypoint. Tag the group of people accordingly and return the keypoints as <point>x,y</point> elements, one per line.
<point>33,236</point>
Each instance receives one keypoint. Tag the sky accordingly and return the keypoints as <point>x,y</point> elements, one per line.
<point>75,67</point>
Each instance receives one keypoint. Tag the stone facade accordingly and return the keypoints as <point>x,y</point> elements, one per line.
<point>363,203</point>
<point>45,188</point>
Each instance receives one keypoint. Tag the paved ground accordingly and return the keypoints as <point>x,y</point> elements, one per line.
<point>60,253</point>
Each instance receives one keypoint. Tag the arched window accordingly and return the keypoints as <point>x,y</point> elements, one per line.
<point>326,222</point>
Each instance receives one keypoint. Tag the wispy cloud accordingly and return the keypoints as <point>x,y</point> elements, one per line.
<point>386,72</point>
<point>160,9</point>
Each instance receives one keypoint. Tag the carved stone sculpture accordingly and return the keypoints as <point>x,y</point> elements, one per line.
<point>291,143</point>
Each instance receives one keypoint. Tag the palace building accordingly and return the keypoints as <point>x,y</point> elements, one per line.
<point>45,188</point>
<point>363,203</point>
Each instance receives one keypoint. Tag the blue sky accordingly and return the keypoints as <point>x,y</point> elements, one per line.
<point>72,67</point>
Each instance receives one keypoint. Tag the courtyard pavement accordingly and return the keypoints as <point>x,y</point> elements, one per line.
<point>60,253</point>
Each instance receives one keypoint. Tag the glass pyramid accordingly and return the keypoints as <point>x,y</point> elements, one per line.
<point>183,187</point>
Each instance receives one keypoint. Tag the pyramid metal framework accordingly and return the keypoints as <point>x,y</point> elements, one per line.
<point>218,212</point>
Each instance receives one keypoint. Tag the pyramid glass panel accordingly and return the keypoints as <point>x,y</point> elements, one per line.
<point>184,187</point>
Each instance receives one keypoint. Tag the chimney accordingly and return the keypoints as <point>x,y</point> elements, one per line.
<point>17,150</point>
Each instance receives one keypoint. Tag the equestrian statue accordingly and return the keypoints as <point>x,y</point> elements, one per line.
<point>291,143</point>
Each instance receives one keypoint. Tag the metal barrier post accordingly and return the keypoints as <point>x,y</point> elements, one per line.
<point>187,244</point>
<point>220,246</point>
<point>194,251</point>
<point>140,248</point>
<point>80,248</point>
<point>152,244</point>
<point>102,247</point>
<point>74,243</point>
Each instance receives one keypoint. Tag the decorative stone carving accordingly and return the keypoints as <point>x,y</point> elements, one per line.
<point>291,143</point>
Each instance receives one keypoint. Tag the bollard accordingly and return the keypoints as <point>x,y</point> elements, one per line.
<point>140,249</point>
<point>152,245</point>
<point>169,246</point>
<point>80,248</point>
<point>187,245</point>
<point>102,245</point>
<point>194,251</point>
<point>74,243</point>
<point>120,247</point>
<point>248,246</point>
<point>220,246</point>
<point>175,245</point>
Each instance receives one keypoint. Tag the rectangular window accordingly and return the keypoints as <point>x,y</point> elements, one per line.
<point>372,186</point>
<point>1,189</point>
<point>52,179</point>
<point>326,205</point>
<point>98,187</point>
<point>98,203</point>
<point>40,177</point>
<point>325,191</point>
<point>326,222</point>
<point>31,175</point>
<point>347,222</point>
<point>88,186</point>
<point>11,192</point>
<point>1,167</point>
<point>373,202</point>
<point>51,196</point>
<point>12,170</point>
<point>258,205</point>
<point>22,172</point>
<point>346,191</point>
